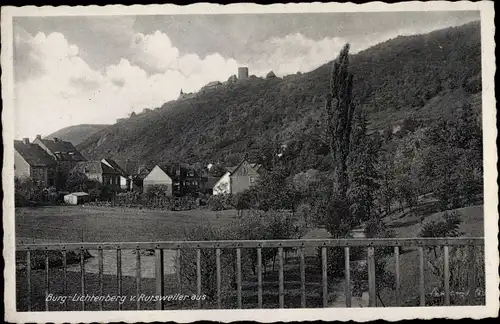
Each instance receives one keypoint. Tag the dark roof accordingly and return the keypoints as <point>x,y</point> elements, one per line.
<point>141,175</point>
<point>117,167</point>
<point>94,167</point>
<point>64,150</point>
<point>256,166</point>
<point>108,170</point>
<point>33,154</point>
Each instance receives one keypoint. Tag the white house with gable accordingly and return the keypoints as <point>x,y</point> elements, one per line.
<point>158,177</point>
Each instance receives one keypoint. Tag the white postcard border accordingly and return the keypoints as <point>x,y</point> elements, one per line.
<point>486,9</point>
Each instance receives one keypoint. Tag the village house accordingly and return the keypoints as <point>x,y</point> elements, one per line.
<point>64,153</point>
<point>125,177</point>
<point>100,172</point>
<point>187,179</point>
<point>31,161</point>
<point>158,177</point>
<point>238,178</point>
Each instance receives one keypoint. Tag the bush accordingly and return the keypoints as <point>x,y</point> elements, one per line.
<point>220,202</point>
<point>448,226</point>
<point>27,194</point>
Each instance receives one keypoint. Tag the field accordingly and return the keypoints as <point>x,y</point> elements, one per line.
<point>99,224</point>
<point>110,224</point>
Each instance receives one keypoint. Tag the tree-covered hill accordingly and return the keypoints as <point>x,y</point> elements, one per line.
<point>422,77</point>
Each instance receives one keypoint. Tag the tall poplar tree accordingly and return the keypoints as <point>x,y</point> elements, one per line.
<point>339,113</point>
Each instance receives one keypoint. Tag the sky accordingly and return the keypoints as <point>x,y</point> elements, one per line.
<point>95,69</point>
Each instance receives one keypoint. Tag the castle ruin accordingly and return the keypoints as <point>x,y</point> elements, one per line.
<point>242,73</point>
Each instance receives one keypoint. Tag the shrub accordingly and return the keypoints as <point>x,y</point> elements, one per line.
<point>448,226</point>
<point>220,202</point>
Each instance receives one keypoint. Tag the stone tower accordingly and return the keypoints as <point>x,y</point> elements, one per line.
<point>243,73</point>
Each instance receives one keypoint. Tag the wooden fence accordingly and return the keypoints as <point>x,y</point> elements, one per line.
<point>280,245</point>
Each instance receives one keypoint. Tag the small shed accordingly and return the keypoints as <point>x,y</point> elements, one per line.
<point>76,198</point>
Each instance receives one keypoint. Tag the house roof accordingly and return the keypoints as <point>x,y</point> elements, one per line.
<point>33,154</point>
<point>117,167</point>
<point>94,167</point>
<point>79,194</point>
<point>64,150</point>
<point>255,166</point>
<point>142,174</point>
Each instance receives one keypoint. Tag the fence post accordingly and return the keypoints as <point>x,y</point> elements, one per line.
<point>198,276</point>
<point>372,287</point>
<point>302,279</point>
<point>217,265</point>
<point>259,276</point>
<point>398,277</point>
<point>238,276</point>
<point>422,275</point>
<point>281,278</point>
<point>446,275</point>
<point>347,276</point>
<point>324,267</point>
<point>159,283</point>
<point>47,281</point>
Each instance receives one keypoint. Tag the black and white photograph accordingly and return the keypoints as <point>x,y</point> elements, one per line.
<point>335,161</point>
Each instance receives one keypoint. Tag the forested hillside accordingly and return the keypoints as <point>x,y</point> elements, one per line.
<point>403,83</point>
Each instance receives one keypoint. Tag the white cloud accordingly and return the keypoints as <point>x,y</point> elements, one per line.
<point>293,53</point>
<point>69,92</point>
<point>156,52</point>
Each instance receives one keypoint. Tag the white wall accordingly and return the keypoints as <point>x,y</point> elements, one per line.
<point>157,177</point>
<point>223,186</point>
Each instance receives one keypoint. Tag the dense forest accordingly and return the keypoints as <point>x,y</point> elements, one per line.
<point>402,84</point>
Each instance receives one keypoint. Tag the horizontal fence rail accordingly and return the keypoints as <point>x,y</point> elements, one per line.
<point>259,247</point>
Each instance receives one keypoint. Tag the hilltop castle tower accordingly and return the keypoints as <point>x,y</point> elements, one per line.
<point>243,73</point>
